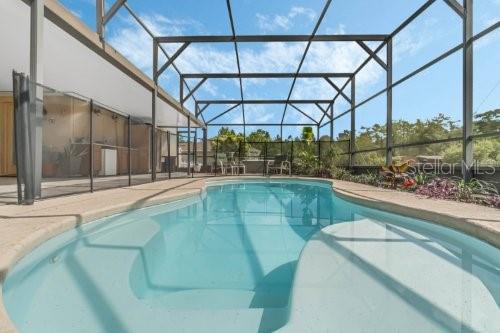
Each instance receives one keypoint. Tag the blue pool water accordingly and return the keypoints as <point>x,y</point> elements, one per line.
<point>230,261</point>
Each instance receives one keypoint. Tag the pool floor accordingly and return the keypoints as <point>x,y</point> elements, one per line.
<point>257,256</point>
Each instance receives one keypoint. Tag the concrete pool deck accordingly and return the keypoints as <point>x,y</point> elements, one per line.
<point>22,228</point>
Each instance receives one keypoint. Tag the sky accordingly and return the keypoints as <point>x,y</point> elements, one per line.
<point>436,90</point>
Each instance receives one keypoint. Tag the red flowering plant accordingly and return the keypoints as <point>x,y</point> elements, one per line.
<point>396,174</point>
<point>409,183</point>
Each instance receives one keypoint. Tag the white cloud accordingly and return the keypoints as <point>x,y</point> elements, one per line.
<point>267,23</point>
<point>258,113</point>
<point>135,44</point>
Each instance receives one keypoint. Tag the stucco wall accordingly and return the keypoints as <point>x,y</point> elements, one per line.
<point>71,66</point>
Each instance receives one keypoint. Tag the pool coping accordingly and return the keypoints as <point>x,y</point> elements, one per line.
<point>48,218</point>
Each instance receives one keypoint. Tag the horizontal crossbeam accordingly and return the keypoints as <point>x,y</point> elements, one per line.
<point>263,124</point>
<point>263,75</point>
<point>265,101</point>
<point>270,38</point>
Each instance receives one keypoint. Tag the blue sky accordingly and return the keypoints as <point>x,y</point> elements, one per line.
<point>437,90</point>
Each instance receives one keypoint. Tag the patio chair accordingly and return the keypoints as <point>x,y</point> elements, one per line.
<point>279,164</point>
<point>220,164</point>
<point>238,167</point>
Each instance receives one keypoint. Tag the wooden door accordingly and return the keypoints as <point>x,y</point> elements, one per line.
<point>7,166</point>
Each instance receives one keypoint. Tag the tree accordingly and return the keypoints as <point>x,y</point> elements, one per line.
<point>307,134</point>
<point>227,140</point>
<point>259,136</point>
<point>487,122</point>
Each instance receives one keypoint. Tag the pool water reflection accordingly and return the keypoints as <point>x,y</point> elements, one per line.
<point>257,256</point>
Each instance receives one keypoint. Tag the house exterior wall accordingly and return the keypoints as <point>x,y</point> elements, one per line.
<point>70,65</point>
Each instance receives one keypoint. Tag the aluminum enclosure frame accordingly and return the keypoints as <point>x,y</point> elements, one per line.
<point>463,11</point>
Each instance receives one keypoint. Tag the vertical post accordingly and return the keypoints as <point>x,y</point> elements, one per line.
<point>16,92</point>
<point>153,110</point>
<point>291,157</point>
<point>24,148</point>
<point>318,148</point>
<point>352,141</point>
<point>99,18</point>
<point>195,151</point>
<point>129,151</point>
<point>467,91</point>
<point>189,146</point>
<point>388,135</point>
<point>241,145</point>
<point>205,150</point>
<point>177,158</point>
<point>216,154</point>
<point>168,156</point>
<point>281,139</point>
<point>264,169</point>
<point>331,122</point>
<point>36,95</point>
<point>91,151</point>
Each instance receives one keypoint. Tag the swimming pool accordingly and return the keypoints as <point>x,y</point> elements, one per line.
<point>250,256</point>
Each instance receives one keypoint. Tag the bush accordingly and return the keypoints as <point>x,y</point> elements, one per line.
<point>494,201</point>
<point>474,191</point>
<point>368,178</point>
<point>305,163</point>
<point>439,189</point>
<point>340,173</point>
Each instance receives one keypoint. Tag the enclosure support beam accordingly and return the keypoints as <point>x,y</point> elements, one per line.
<point>170,60</point>
<point>169,156</point>
<point>274,38</point>
<point>223,113</point>
<point>189,146</point>
<point>194,89</point>
<point>318,146</point>
<point>264,75</point>
<point>325,112</point>
<point>150,33</point>
<point>306,50</point>
<point>91,145</point>
<point>23,140</point>
<point>205,150</point>
<point>112,11</point>
<point>200,110</point>
<point>403,25</point>
<point>265,101</point>
<point>331,123</point>
<point>266,124</point>
<point>352,141</point>
<point>281,139</point>
<point>195,152</point>
<point>129,144</point>
<point>388,136</point>
<point>339,91</point>
<point>36,95</point>
<point>153,112</point>
<point>233,30</point>
<point>303,113</point>
<point>467,162</point>
<point>372,54</point>
<point>457,7</point>
<point>102,17</point>
<point>99,18</point>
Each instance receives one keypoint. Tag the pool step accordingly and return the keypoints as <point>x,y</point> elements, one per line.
<point>218,299</point>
